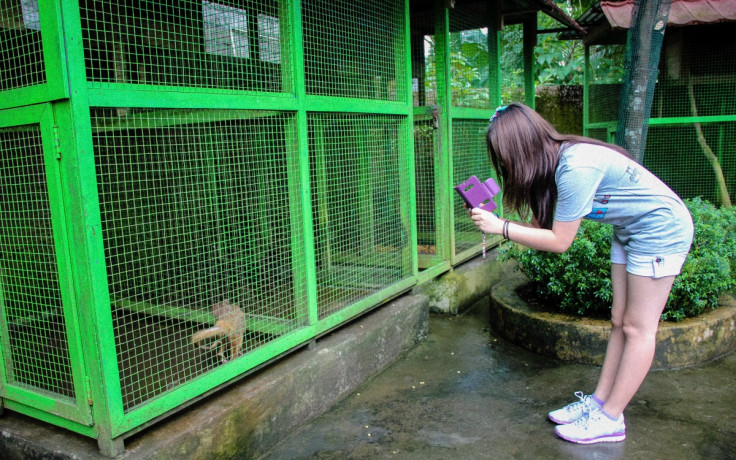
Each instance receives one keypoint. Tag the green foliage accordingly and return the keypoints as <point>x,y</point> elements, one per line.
<point>578,281</point>
<point>556,62</point>
<point>710,269</point>
<point>469,64</point>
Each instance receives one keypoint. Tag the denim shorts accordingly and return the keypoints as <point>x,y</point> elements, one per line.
<point>652,266</point>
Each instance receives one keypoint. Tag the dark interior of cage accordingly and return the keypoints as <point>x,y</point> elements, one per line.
<point>32,327</point>
<point>197,209</point>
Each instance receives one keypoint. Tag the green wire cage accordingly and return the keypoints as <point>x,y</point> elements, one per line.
<point>190,189</point>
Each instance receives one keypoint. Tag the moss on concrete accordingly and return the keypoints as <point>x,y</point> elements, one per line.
<point>459,289</point>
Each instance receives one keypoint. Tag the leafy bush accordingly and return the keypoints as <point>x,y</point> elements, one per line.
<point>710,269</point>
<point>579,283</point>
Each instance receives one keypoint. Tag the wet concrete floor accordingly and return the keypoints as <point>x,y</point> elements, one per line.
<point>465,393</point>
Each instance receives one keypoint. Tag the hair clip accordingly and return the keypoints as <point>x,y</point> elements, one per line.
<point>497,111</point>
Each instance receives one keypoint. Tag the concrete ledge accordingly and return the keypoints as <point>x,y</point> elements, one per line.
<point>459,289</point>
<point>247,419</point>
<point>569,338</point>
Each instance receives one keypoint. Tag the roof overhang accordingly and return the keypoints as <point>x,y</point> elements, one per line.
<point>508,11</point>
<point>608,20</point>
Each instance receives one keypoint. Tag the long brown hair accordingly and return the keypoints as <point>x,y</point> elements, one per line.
<point>524,149</point>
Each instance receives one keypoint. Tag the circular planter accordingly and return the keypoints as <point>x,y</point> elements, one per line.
<point>583,340</point>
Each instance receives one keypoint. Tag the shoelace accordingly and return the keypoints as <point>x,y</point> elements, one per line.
<point>583,401</point>
<point>591,414</point>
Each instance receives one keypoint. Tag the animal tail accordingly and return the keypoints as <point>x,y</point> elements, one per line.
<point>215,331</point>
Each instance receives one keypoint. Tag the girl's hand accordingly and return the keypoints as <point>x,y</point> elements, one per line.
<point>486,221</point>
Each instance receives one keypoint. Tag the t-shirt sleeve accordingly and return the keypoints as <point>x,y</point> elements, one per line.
<point>576,188</point>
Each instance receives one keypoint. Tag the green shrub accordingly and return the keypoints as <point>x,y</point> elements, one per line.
<point>710,269</point>
<point>579,283</point>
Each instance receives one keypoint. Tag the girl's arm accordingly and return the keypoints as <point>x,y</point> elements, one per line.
<point>557,240</point>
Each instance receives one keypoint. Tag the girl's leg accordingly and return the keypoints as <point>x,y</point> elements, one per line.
<point>615,346</point>
<point>645,299</point>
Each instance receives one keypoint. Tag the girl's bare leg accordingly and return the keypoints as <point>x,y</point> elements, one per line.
<point>645,299</point>
<point>616,341</point>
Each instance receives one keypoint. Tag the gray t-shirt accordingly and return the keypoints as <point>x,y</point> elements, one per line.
<point>598,183</point>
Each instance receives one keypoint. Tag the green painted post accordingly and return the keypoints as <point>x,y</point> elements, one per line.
<point>88,259</point>
<point>444,174</point>
<point>586,92</point>
<point>494,53</point>
<point>406,137</point>
<point>302,161</point>
<point>530,41</point>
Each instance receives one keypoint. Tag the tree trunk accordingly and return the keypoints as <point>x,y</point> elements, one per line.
<point>646,33</point>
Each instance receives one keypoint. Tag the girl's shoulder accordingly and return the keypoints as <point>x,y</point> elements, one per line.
<point>581,155</point>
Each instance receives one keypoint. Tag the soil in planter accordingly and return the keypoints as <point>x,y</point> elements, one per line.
<point>529,294</point>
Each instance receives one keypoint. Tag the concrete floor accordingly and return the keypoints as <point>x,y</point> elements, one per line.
<point>465,393</point>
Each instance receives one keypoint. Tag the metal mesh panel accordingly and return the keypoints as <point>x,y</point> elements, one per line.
<point>30,298</point>
<point>354,49</point>
<point>228,45</point>
<point>423,62</point>
<point>195,211</point>
<point>675,154</point>
<point>512,63</point>
<point>697,62</point>
<point>696,79</point>
<point>469,157</point>
<point>21,52</point>
<point>605,82</point>
<point>360,210</point>
<point>600,134</point>
<point>425,160</point>
<point>469,58</point>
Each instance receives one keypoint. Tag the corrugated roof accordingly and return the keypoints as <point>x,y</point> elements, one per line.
<point>682,12</point>
<point>607,21</point>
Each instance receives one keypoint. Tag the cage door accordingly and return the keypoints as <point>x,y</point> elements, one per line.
<point>41,367</point>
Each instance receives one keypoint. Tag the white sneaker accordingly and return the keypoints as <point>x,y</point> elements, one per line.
<point>573,411</point>
<point>592,428</point>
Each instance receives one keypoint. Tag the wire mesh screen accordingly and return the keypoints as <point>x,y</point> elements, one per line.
<point>354,49</point>
<point>469,57</point>
<point>469,157</point>
<point>21,51</point>
<point>196,223</point>
<point>697,78</point>
<point>423,59</point>
<point>32,320</point>
<point>512,63</point>
<point>360,206</point>
<point>226,45</point>
<point>678,156</point>
<point>426,165</point>
<point>605,68</point>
